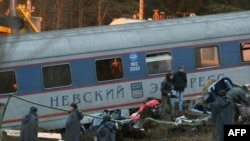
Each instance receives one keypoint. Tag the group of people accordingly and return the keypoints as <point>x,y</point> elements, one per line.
<point>224,97</point>
<point>29,125</point>
<point>172,87</point>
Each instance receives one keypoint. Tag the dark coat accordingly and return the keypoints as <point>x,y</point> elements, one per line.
<point>167,87</point>
<point>222,113</point>
<point>180,81</point>
<point>106,131</point>
<point>73,126</point>
<point>29,127</point>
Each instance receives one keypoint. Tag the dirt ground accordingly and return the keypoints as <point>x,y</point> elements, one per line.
<point>163,130</point>
<point>164,133</point>
<point>158,130</point>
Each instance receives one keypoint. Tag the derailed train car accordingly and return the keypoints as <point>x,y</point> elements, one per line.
<point>117,67</point>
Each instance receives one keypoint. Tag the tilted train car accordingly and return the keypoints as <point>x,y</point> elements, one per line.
<point>117,67</point>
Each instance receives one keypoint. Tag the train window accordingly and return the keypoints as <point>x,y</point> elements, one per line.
<point>56,76</point>
<point>109,69</point>
<point>245,52</point>
<point>8,82</point>
<point>159,63</point>
<point>206,57</point>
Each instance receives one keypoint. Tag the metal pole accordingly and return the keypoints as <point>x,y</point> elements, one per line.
<point>141,9</point>
<point>13,13</point>
<point>12,8</point>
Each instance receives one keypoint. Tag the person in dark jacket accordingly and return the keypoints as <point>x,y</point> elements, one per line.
<point>106,131</point>
<point>29,126</point>
<point>180,83</point>
<point>168,95</point>
<point>73,126</point>
<point>222,113</point>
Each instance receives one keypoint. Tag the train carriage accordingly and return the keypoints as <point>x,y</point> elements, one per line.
<point>117,67</point>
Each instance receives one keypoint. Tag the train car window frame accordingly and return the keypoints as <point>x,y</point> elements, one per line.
<point>8,83</point>
<point>245,52</point>
<point>158,63</point>
<point>56,72</point>
<point>109,69</point>
<point>205,57</point>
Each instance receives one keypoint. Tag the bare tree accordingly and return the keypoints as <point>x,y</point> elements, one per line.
<point>58,6</point>
<point>102,11</point>
<point>81,12</point>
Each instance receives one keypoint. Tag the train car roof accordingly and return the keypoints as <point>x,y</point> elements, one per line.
<point>108,38</point>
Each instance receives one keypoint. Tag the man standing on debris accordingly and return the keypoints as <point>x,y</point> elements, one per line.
<point>73,125</point>
<point>29,126</point>
<point>180,83</point>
